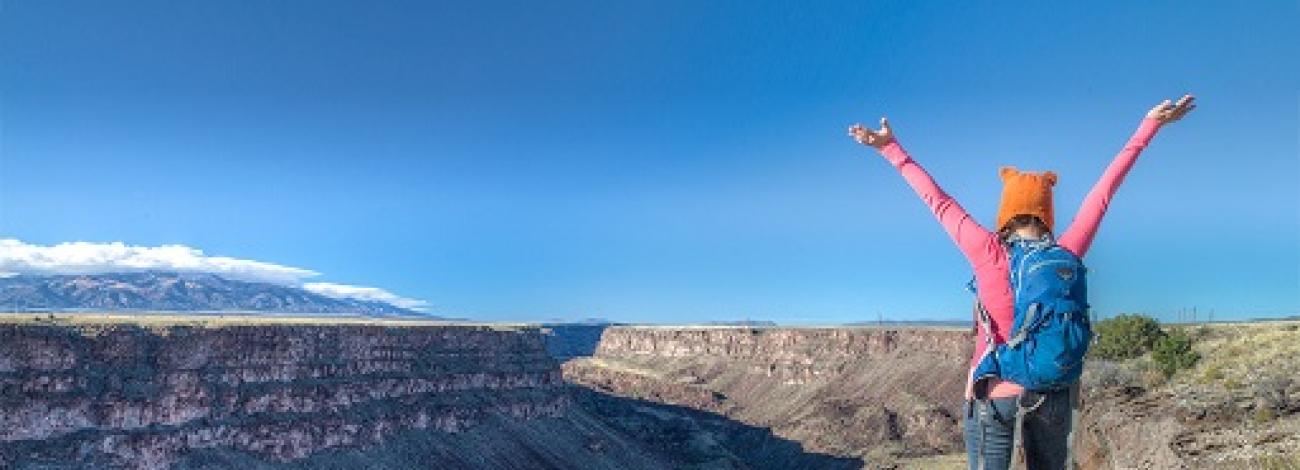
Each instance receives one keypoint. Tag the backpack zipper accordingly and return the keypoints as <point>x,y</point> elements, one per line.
<point>1048,263</point>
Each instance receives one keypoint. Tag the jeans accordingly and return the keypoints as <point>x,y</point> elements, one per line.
<point>990,426</point>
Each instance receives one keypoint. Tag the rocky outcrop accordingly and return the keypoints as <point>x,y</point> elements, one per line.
<point>783,345</point>
<point>129,396</point>
<point>873,394</point>
<point>1238,407</point>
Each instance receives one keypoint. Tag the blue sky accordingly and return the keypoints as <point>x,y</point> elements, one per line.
<point>663,161</point>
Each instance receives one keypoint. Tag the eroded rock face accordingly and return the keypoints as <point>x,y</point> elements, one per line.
<point>1186,427</point>
<point>871,393</point>
<point>785,346</point>
<point>122,395</point>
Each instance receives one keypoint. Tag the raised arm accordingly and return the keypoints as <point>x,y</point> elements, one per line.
<point>1078,238</point>
<point>976,243</point>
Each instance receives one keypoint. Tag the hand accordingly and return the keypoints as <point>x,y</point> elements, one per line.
<point>866,136</point>
<point>1167,112</point>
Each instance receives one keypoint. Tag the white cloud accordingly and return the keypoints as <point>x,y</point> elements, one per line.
<point>18,257</point>
<point>344,291</point>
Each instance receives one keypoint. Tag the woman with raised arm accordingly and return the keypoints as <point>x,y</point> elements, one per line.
<point>1012,405</point>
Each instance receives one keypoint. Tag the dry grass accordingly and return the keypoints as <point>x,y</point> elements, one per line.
<point>1275,462</point>
<point>1245,353</point>
<point>938,462</point>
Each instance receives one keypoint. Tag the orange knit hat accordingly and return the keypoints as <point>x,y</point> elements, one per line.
<point>1026,193</point>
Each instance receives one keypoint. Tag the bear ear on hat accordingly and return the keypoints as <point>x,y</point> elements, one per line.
<point>1007,172</point>
<point>1050,177</point>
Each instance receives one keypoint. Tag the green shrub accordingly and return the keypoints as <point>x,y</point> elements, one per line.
<point>1275,462</point>
<point>1125,337</point>
<point>1150,373</point>
<point>1202,332</point>
<point>1263,415</point>
<point>1211,374</point>
<point>1173,352</point>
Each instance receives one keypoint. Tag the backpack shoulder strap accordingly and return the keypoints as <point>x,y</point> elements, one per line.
<point>985,322</point>
<point>1025,325</point>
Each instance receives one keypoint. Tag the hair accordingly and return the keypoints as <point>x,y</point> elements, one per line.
<point>1020,220</point>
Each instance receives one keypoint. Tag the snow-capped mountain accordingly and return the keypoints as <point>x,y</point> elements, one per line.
<point>174,292</point>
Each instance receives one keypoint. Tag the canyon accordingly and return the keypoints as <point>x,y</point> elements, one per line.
<point>154,392</point>
<point>140,392</point>
<point>874,395</point>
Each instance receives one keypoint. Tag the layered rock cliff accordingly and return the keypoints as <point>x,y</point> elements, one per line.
<point>148,392</point>
<point>875,395</point>
<point>145,397</point>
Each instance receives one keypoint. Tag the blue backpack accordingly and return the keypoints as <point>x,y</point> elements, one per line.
<point>1051,332</point>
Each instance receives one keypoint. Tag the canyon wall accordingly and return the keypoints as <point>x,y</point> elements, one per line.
<point>877,395</point>
<point>139,393</point>
<point>394,395</point>
<point>123,395</point>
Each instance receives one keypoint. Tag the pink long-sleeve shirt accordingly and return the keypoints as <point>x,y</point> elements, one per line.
<point>989,257</point>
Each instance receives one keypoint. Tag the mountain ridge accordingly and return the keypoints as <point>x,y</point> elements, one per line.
<point>175,292</point>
